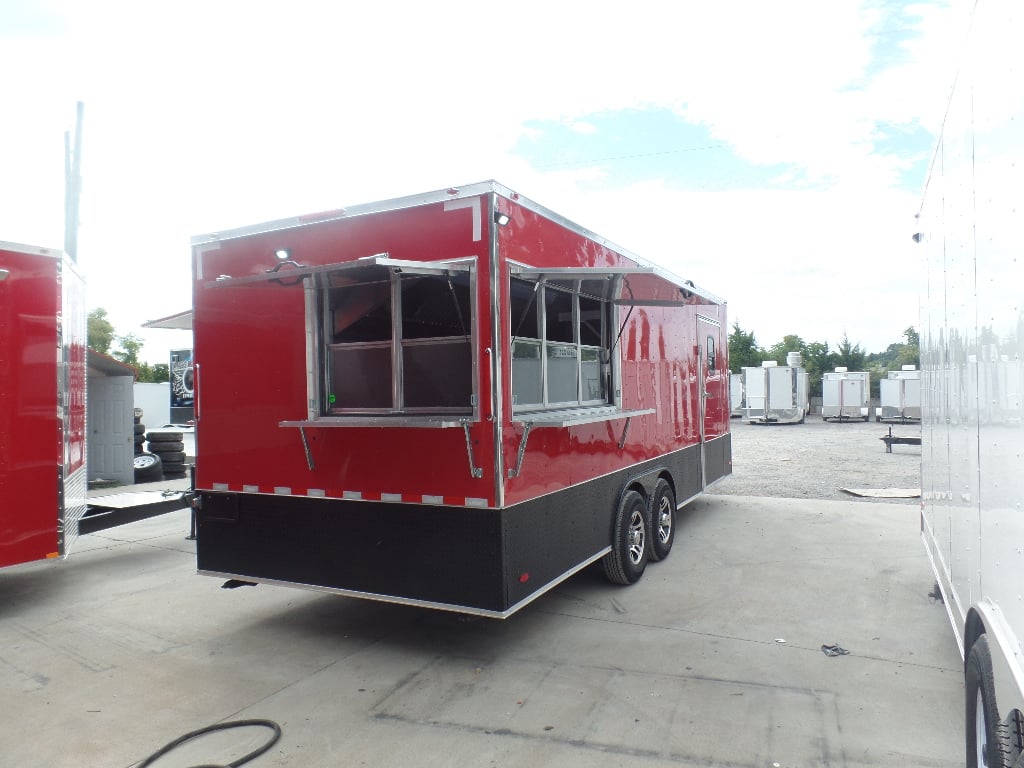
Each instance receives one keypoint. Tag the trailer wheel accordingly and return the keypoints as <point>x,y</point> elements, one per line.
<point>148,468</point>
<point>986,742</point>
<point>626,562</point>
<point>663,520</point>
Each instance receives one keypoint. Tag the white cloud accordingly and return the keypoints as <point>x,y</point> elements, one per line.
<point>203,116</point>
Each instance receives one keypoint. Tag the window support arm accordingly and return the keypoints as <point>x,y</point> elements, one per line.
<point>305,447</point>
<point>625,431</point>
<point>514,472</point>
<point>474,470</point>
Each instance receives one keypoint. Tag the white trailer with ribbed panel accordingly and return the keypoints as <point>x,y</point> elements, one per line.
<point>899,395</point>
<point>845,395</point>
<point>776,394</point>
<point>970,224</point>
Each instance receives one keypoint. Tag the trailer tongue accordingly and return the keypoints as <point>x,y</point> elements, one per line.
<point>454,400</point>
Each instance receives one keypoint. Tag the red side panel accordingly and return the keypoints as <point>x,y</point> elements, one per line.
<point>659,362</point>
<point>30,448</point>
<point>250,353</point>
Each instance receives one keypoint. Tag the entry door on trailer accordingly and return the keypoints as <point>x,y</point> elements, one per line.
<point>713,392</point>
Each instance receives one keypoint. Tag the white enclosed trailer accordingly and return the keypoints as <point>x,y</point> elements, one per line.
<point>971,226</point>
<point>776,394</point>
<point>736,399</point>
<point>845,395</point>
<point>899,395</point>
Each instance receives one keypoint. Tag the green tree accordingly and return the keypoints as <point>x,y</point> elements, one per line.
<point>895,356</point>
<point>790,343</point>
<point>818,359</point>
<point>743,350</point>
<point>130,345</point>
<point>99,331</point>
<point>849,355</point>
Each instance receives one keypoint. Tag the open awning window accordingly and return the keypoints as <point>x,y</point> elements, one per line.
<point>369,269</point>
<point>638,286</point>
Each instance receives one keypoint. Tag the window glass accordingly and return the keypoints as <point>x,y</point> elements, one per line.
<point>558,318</point>
<point>593,380</point>
<point>596,289</point>
<point>563,373</point>
<point>438,374</point>
<point>565,367</point>
<point>527,385</point>
<point>430,335</point>
<point>361,312</point>
<point>591,321</point>
<point>360,376</point>
<point>432,308</point>
<point>523,305</point>
<point>711,354</point>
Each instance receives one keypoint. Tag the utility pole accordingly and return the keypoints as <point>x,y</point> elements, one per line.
<point>72,185</point>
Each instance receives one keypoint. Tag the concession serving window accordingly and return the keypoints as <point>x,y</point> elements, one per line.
<point>389,341</point>
<point>565,325</point>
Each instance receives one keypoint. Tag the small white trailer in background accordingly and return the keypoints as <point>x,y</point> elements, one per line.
<point>900,395</point>
<point>736,398</point>
<point>971,226</point>
<point>845,395</point>
<point>776,394</point>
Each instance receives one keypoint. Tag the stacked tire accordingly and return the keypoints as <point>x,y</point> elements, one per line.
<point>170,447</point>
<point>147,466</point>
<point>140,435</point>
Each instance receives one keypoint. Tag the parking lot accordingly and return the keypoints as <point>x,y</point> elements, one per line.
<point>713,659</point>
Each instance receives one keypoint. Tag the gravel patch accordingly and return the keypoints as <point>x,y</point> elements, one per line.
<point>814,460</point>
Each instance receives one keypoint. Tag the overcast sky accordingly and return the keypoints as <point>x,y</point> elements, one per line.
<point>773,153</point>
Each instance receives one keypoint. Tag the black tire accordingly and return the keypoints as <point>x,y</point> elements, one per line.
<point>164,437</point>
<point>148,468</point>
<point>169,457</point>
<point>168,446</point>
<point>627,560</point>
<point>662,514</point>
<point>171,467</point>
<point>990,750</point>
<point>140,429</point>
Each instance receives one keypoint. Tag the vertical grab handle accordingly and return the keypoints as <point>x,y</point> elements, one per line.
<point>195,391</point>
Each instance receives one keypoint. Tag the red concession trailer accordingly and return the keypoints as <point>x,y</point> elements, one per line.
<point>42,403</point>
<point>455,400</point>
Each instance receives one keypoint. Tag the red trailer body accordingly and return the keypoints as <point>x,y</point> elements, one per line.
<point>457,400</point>
<point>42,403</point>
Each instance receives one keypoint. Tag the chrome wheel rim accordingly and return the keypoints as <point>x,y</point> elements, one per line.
<point>664,520</point>
<point>635,537</point>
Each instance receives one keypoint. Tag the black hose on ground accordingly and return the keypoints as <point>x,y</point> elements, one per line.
<point>220,727</point>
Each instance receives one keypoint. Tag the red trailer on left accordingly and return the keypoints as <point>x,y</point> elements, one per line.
<point>44,502</point>
<point>43,480</point>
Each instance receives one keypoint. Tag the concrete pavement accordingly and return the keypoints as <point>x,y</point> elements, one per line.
<point>713,659</point>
